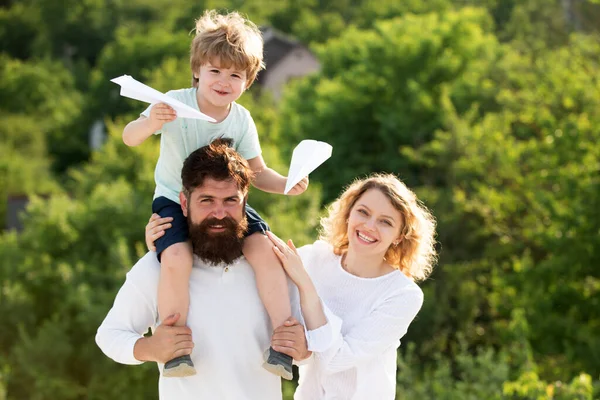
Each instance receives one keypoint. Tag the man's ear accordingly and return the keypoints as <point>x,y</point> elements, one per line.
<point>183,201</point>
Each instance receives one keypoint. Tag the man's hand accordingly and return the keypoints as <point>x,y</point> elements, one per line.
<point>289,339</point>
<point>167,342</point>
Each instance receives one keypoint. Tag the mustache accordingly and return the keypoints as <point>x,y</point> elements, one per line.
<point>226,222</point>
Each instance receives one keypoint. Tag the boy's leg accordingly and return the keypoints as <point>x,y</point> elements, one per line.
<point>175,255</point>
<point>173,287</point>
<point>174,297</point>
<point>272,285</point>
<point>271,280</point>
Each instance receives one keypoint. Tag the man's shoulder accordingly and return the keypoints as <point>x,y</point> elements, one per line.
<point>146,270</point>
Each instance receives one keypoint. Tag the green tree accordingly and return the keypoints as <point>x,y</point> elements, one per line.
<point>519,209</point>
<point>43,98</point>
<point>380,89</point>
<point>18,31</point>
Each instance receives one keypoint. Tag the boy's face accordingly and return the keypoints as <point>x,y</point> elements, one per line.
<point>219,86</point>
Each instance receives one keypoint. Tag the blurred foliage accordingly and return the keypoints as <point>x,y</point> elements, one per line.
<point>491,114</point>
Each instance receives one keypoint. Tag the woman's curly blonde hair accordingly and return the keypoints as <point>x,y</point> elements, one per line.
<point>415,255</point>
<point>233,39</point>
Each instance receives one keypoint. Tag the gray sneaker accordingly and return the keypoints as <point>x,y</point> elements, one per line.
<point>278,363</point>
<point>179,367</point>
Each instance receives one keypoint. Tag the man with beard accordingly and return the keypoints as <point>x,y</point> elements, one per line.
<point>228,327</point>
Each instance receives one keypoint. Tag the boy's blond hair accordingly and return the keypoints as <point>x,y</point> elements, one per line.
<point>233,39</point>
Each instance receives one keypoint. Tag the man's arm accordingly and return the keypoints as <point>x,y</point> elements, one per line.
<point>167,342</point>
<point>120,336</point>
<point>129,318</point>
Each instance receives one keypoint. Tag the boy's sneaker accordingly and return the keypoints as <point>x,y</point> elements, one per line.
<point>179,367</point>
<point>278,363</point>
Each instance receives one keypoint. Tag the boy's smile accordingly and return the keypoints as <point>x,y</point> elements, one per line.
<point>218,87</point>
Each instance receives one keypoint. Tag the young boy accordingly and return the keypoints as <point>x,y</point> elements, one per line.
<point>226,55</point>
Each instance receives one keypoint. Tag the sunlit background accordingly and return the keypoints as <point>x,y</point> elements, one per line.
<point>489,109</point>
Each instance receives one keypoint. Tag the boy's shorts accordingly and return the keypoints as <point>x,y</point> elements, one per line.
<point>178,233</point>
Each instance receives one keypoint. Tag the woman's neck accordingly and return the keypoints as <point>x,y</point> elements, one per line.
<point>369,266</point>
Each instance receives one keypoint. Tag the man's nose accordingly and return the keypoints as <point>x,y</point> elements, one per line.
<point>219,213</point>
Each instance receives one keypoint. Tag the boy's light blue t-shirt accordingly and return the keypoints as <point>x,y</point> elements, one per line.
<point>181,137</point>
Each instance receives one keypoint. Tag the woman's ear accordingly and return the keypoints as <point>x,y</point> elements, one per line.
<point>397,241</point>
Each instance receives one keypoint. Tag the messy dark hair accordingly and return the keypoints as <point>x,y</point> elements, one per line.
<point>218,161</point>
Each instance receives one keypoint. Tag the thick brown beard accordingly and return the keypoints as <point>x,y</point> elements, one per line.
<point>221,247</point>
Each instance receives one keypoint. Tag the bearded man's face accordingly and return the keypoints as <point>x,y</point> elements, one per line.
<point>216,219</point>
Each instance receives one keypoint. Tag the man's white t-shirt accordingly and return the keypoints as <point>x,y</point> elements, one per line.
<point>230,329</point>
<point>181,137</point>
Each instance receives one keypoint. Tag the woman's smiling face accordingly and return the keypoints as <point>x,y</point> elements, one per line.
<point>374,224</point>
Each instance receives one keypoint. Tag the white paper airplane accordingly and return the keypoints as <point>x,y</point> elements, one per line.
<point>307,156</point>
<point>138,91</point>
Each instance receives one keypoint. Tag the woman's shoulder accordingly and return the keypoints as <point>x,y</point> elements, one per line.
<point>404,290</point>
<point>319,251</point>
<point>318,248</point>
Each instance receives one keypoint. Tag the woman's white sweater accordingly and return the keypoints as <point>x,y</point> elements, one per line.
<point>367,317</point>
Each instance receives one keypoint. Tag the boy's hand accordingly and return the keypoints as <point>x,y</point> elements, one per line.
<point>160,114</point>
<point>156,228</point>
<point>299,187</point>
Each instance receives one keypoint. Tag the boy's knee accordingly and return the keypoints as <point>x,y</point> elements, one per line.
<point>257,242</point>
<point>175,252</point>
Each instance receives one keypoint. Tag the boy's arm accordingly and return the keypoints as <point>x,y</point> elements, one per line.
<point>268,180</point>
<point>136,132</point>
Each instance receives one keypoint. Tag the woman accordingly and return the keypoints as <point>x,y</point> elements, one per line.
<point>357,287</point>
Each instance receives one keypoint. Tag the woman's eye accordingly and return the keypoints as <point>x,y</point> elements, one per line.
<point>214,71</point>
<point>236,76</point>
<point>388,223</point>
<point>363,212</point>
